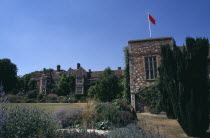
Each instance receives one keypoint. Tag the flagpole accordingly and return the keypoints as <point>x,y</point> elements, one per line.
<point>150,32</point>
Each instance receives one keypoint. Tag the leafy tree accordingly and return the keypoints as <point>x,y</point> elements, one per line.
<point>27,83</point>
<point>183,76</point>
<point>50,83</point>
<point>8,74</point>
<point>150,97</point>
<point>126,82</point>
<point>66,85</point>
<point>106,88</point>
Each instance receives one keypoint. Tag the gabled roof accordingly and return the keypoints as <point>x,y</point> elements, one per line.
<point>97,74</point>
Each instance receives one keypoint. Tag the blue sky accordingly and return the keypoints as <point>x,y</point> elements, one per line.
<point>44,33</point>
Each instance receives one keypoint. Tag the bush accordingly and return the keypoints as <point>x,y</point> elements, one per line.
<point>132,132</point>
<point>106,116</point>
<point>68,118</point>
<point>80,134</point>
<point>62,99</point>
<point>27,122</point>
<point>150,97</point>
<point>52,98</point>
<point>32,94</point>
<point>15,99</point>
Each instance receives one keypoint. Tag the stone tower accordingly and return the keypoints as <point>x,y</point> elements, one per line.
<point>144,61</point>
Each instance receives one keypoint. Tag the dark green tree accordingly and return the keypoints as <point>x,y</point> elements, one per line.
<point>8,75</point>
<point>66,85</point>
<point>27,83</point>
<point>184,78</point>
<point>106,88</point>
<point>126,91</point>
<point>50,83</point>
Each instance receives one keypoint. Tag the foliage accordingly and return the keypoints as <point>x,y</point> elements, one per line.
<point>183,77</point>
<point>27,83</point>
<point>3,106</point>
<point>106,116</point>
<point>15,98</point>
<point>66,85</point>
<point>32,94</point>
<point>8,73</point>
<point>68,118</point>
<point>106,88</point>
<point>23,121</point>
<point>209,94</point>
<point>126,82</point>
<point>150,97</point>
<point>50,83</point>
<point>80,134</point>
<point>130,131</point>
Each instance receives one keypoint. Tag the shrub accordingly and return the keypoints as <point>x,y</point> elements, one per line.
<point>68,118</point>
<point>122,105</point>
<point>132,132</point>
<point>74,99</point>
<point>26,122</point>
<point>30,100</point>
<point>62,99</point>
<point>3,106</point>
<point>80,134</point>
<point>52,98</point>
<point>106,116</point>
<point>150,97</point>
<point>32,94</point>
<point>15,99</point>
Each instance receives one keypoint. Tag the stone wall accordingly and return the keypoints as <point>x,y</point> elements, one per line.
<point>138,50</point>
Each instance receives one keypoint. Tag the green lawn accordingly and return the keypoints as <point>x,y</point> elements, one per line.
<point>170,126</point>
<point>53,106</point>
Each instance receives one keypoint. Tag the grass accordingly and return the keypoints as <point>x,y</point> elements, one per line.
<point>53,107</point>
<point>170,126</point>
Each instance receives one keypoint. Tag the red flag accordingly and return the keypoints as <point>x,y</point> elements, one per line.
<point>151,19</point>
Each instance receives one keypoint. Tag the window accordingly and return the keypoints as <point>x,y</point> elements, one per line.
<point>151,67</point>
<point>79,80</point>
<point>43,82</point>
<point>79,90</point>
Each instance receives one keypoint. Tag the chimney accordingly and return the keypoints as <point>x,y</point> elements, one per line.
<point>58,68</point>
<point>90,70</point>
<point>44,70</point>
<point>119,68</point>
<point>78,65</point>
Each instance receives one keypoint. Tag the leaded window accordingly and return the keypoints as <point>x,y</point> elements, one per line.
<point>79,80</point>
<point>43,82</point>
<point>151,67</point>
<point>79,90</point>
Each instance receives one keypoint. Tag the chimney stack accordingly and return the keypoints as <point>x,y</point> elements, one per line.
<point>58,68</point>
<point>44,70</point>
<point>78,65</point>
<point>89,70</point>
<point>119,68</point>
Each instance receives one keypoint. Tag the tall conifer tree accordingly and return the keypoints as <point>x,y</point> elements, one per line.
<point>184,78</point>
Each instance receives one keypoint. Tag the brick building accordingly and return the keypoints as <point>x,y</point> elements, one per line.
<point>82,77</point>
<point>144,61</point>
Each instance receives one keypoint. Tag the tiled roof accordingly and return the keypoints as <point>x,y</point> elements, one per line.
<point>97,74</point>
